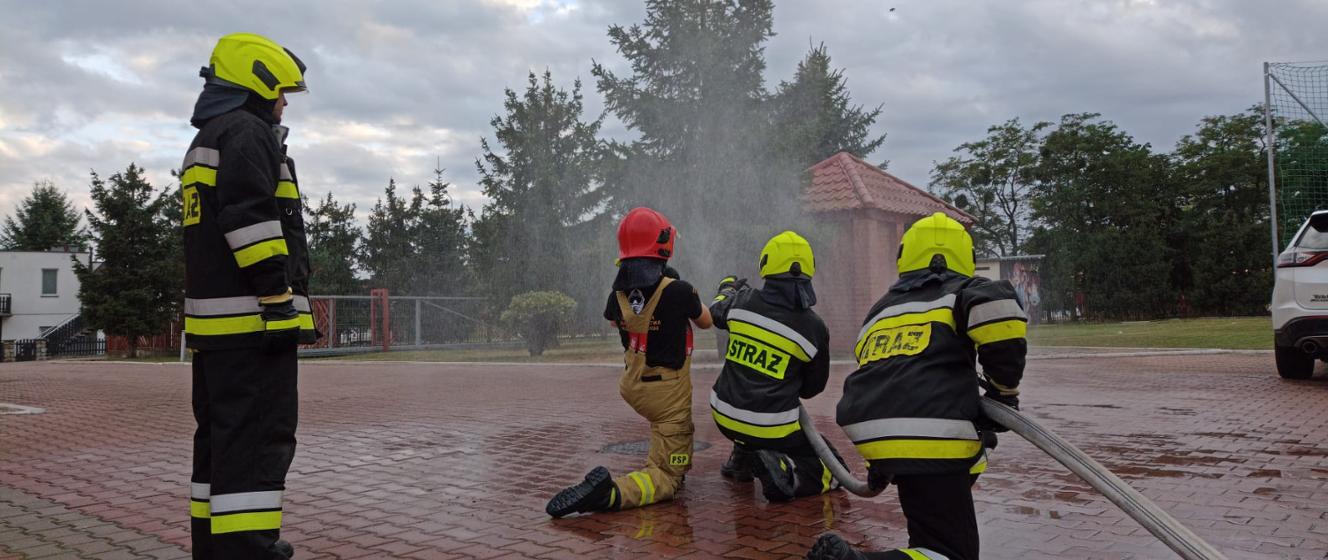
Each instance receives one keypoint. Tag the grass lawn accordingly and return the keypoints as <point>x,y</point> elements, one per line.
<point>1241,333</point>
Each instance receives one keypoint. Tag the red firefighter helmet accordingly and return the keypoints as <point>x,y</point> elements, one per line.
<point>645,233</point>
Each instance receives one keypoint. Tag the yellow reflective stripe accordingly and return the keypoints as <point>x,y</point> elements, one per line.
<point>773,339</point>
<point>258,251</point>
<point>998,331</point>
<point>202,175</point>
<point>254,521</point>
<point>200,510</point>
<point>307,321</point>
<point>646,485</point>
<point>613,497</point>
<point>980,466</point>
<point>240,324</point>
<point>825,478</point>
<point>763,432</point>
<point>919,449</point>
<point>286,189</point>
<point>943,315</point>
<point>913,554</point>
<point>282,324</point>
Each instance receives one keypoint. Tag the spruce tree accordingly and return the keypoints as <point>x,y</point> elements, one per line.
<point>44,220</point>
<point>815,117</point>
<point>134,291</point>
<point>696,96</point>
<point>539,230</point>
<point>332,233</point>
<point>440,233</point>
<point>388,250</point>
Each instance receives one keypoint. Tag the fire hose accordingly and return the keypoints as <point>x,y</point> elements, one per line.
<point>1158,522</point>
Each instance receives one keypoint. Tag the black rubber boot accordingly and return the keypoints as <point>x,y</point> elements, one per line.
<point>284,549</point>
<point>831,547</point>
<point>776,473</point>
<point>591,494</point>
<point>739,465</point>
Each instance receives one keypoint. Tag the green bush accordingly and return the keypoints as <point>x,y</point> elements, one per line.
<point>538,317</point>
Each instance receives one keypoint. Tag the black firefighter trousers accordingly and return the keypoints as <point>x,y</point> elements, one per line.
<point>246,407</point>
<point>940,514</point>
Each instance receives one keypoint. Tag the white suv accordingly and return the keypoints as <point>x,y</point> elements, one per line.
<point>1300,300</point>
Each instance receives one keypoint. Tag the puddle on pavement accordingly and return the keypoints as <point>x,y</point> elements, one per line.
<point>640,448</point>
<point>16,409</point>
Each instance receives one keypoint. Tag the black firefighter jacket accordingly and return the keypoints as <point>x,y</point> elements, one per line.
<point>243,232</point>
<point>910,405</point>
<point>775,356</point>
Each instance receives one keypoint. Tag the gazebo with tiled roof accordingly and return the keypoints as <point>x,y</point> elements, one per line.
<point>861,211</point>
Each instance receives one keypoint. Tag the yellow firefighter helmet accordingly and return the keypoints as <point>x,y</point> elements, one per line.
<point>933,236</point>
<point>255,63</point>
<point>787,253</point>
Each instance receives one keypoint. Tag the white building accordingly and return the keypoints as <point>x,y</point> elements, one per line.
<point>38,290</point>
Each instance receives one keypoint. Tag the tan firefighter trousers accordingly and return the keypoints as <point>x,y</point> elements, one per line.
<point>662,396</point>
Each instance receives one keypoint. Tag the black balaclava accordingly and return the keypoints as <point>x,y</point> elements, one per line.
<point>638,273</point>
<point>219,99</point>
<point>792,293</point>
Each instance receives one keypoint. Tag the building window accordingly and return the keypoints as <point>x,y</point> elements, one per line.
<point>48,281</point>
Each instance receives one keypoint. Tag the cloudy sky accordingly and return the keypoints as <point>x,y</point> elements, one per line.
<point>396,86</point>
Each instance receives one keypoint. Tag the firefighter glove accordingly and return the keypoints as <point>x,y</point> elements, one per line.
<point>983,423</point>
<point>730,286</point>
<point>281,327</point>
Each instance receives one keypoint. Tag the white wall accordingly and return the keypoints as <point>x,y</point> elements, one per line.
<point>21,277</point>
<point>988,269</point>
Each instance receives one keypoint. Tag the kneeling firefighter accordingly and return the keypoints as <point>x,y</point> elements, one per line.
<point>912,406</point>
<point>654,313</point>
<point>777,353</point>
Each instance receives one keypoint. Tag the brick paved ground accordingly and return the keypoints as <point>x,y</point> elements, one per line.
<point>447,461</point>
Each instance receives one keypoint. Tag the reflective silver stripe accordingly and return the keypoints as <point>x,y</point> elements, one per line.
<point>302,304</point>
<point>202,156</point>
<point>775,327</point>
<point>221,306</point>
<point>930,554</point>
<point>251,234</point>
<point>995,311</point>
<point>947,300</point>
<point>246,501</point>
<point>200,490</point>
<point>911,427</point>
<point>754,418</point>
<point>285,173</point>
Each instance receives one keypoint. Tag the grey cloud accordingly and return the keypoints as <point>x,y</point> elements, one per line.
<point>429,75</point>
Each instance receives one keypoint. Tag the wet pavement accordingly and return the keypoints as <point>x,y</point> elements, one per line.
<point>457,461</point>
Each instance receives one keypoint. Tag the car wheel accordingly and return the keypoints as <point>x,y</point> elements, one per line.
<point>1293,364</point>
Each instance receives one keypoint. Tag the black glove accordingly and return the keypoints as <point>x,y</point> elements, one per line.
<point>281,327</point>
<point>987,424</point>
<point>730,286</point>
<point>670,272</point>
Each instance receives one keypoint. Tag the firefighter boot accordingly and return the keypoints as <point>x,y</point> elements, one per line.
<point>778,481</point>
<point>739,465</point>
<point>595,493</point>
<point>831,547</point>
<point>283,549</point>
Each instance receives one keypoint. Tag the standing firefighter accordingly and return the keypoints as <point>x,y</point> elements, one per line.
<point>911,408</point>
<point>246,305</point>
<point>654,314</point>
<point>777,353</point>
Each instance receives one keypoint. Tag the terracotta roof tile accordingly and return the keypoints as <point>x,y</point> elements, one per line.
<point>846,182</point>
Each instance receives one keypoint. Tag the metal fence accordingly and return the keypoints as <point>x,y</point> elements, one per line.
<point>380,322</point>
<point>1295,106</point>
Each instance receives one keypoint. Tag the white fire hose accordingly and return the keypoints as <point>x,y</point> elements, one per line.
<point>1158,522</point>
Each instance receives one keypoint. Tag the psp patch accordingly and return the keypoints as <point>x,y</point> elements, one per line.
<point>680,459</point>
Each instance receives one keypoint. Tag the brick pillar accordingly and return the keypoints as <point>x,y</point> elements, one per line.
<point>8,355</point>
<point>41,349</point>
